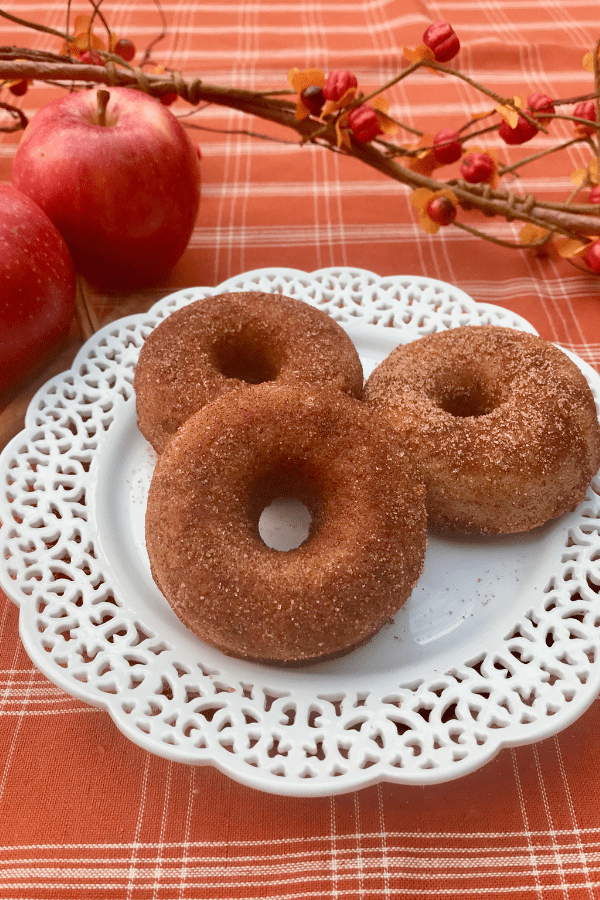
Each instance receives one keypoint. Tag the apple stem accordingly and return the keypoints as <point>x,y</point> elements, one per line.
<point>102,96</point>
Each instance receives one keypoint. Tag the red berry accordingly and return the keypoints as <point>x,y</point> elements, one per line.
<point>522,133</point>
<point>592,257</point>
<point>477,167</point>
<point>586,110</point>
<point>125,49</point>
<point>18,88</point>
<point>541,103</point>
<point>594,194</point>
<point>440,38</point>
<point>364,124</point>
<point>313,99</point>
<point>90,57</point>
<point>168,99</point>
<point>338,83</point>
<point>447,146</point>
<point>441,209</point>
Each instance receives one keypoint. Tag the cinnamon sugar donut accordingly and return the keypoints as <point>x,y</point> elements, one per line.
<point>224,343</point>
<point>366,543</point>
<point>502,422</point>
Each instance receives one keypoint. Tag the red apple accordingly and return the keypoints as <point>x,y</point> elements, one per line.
<point>122,186</point>
<point>37,286</point>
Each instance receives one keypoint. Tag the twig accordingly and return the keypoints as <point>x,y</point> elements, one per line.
<point>569,219</point>
<point>68,43</point>
<point>393,81</point>
<point>281,112</point>
<point>597,100</point>
<point>35,25</point>
<point>504,170</point>
<point>96,12</point>
<point>158,38</point>
<point>484,90</point>
<point>21,119</point>
<point>241,131</point>
<point>496,240</point>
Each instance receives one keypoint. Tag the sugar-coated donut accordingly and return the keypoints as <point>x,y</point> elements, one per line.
<point>366,543</point>
<point>224,343</point>
<point>502,422</point>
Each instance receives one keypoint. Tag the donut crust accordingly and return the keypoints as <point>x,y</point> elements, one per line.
<point>223,343</point>
<point>366,544</point>
<point>503,424</point>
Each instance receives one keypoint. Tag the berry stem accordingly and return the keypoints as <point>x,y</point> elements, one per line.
<point>502,170</point>
<point>499,241</point>
<point>505,101</point>
<point>403,74</point>
<point>480,131</point>
<point>405,127</point>
<point>573,220</point>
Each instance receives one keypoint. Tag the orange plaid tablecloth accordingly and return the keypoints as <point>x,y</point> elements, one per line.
<point>85,813</point>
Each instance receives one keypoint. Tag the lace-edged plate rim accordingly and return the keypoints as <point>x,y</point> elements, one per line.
<point>503,653</point>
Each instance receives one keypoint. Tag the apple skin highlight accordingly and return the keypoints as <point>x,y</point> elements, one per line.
<point>124,194</point>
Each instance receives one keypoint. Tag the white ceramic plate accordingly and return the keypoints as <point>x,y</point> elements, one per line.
<point>497,646</point>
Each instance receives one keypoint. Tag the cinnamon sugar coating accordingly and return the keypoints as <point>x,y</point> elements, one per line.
<point>366,544</point>
<point>223,343</point>
<point>502,423</point>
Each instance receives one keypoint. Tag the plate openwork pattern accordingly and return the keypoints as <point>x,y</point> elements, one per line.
<point>73,558</point>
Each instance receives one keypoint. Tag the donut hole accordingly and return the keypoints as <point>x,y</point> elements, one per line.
<point>285,523</point>
<point>466,395</point>
<point>246,357</point>
<point>284,509</point>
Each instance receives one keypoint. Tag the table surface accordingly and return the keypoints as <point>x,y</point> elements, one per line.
<point>86,813</point>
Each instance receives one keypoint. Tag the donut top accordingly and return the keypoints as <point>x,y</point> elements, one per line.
<point>501,420</point>
<point>226,342</point>
<point>367,539</point>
